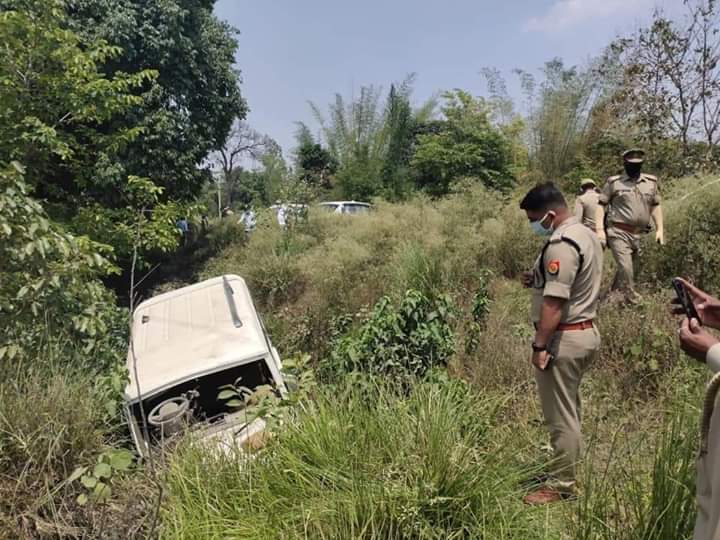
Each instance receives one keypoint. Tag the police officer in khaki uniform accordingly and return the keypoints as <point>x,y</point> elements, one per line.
<point>632,201</point>
<point>704,346</point>
<point>565,283</point>
<point>586,204</point>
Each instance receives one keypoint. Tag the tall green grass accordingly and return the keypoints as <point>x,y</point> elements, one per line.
<point>644,491</point>
<point>363,463</point>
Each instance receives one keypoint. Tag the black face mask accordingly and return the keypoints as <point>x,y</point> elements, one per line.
<point>633,169</point>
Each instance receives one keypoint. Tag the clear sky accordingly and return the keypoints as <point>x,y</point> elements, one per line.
<point>295,51</point>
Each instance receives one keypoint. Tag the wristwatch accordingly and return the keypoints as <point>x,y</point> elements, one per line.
<point>538,348</point>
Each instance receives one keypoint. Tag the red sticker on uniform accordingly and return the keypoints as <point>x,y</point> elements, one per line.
<point>553,267</point>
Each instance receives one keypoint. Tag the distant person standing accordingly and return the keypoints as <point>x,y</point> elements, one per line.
<point>565,283</point>
<point>631,201</point>
<point>183,227</point>
<point>248,219</point>
<point>586,204</point>
<point>282,215</point>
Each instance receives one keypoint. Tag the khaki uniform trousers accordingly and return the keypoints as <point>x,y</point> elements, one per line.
<point>707,525</point>
<point>559,389</point>
<point>625,248</point>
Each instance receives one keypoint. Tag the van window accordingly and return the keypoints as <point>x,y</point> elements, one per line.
<point>356,209</point>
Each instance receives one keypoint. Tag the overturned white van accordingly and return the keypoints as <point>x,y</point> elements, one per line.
<point>186,345</point>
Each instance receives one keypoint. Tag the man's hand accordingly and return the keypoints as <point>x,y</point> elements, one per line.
<point>602,236</point>
<point>708,307</point>
<point>660,237</point>
<point>527,279</point>
<point>694,340</point>
<point>541,359</point>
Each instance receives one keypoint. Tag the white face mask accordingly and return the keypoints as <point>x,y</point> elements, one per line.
<point>539,229</point>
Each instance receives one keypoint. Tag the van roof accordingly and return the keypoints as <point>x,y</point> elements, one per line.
<point>192,332</point>
<point>327,203</point>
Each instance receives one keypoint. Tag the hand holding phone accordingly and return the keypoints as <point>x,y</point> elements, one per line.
<point>685,300</point>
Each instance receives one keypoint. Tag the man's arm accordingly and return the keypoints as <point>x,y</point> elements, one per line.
<point>657,217</point>
<point>713,358</point>
<point>550,315</point>
<point>606,197</point>
<point>600,222</point>
<point>578,209</point>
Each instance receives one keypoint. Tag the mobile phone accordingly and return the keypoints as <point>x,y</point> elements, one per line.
<point>685,300</point>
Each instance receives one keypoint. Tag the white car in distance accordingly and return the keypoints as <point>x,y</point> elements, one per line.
<point>346,207</point>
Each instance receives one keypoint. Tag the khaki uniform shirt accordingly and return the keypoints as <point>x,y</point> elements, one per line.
<point>585,207</point>
<point>630,202</point>
<point>568,273</point>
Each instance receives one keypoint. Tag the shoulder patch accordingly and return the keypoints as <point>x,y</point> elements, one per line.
<point>553,267</point>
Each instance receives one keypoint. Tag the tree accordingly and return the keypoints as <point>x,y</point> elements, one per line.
<point>191,105</point>
<point>242,143</point>
<point>671,81</point>
<point>54,97</point>
<point>63,118</point>
<point>464,144</point>
<point>707,66</point>
<point>506,118</point>
<point>400,126</point>
<point>274,174</point>
<point>314,163</point>
<point>371,143</point>
<point>559,114</point>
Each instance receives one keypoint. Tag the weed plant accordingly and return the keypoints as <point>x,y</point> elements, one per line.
<point>363,463</point>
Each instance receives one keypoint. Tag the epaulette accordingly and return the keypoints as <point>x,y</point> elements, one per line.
<point>614,178</point>
<point>650,177</point>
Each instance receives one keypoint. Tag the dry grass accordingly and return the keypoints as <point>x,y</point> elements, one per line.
<point>52,421</point>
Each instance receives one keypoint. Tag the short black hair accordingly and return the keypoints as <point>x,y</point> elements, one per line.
<point>543,197</point>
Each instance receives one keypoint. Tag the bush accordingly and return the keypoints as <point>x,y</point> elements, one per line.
<point>51,276</point>
<point>268,261</point>
<point>400,341</point>
<point>354,465</point>
<point>639,344</point>
<point>692,229</point>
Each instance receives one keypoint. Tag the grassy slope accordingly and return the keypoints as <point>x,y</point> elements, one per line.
<point>436,464</point>
<point>640,401</point>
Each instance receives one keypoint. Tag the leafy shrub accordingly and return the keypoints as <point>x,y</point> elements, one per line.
<point>220,234</point>
<point>692,229</point>
<point>53,277</point>
<point>479,311</point>
<point>399,341</point>
<point>639,344</point>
